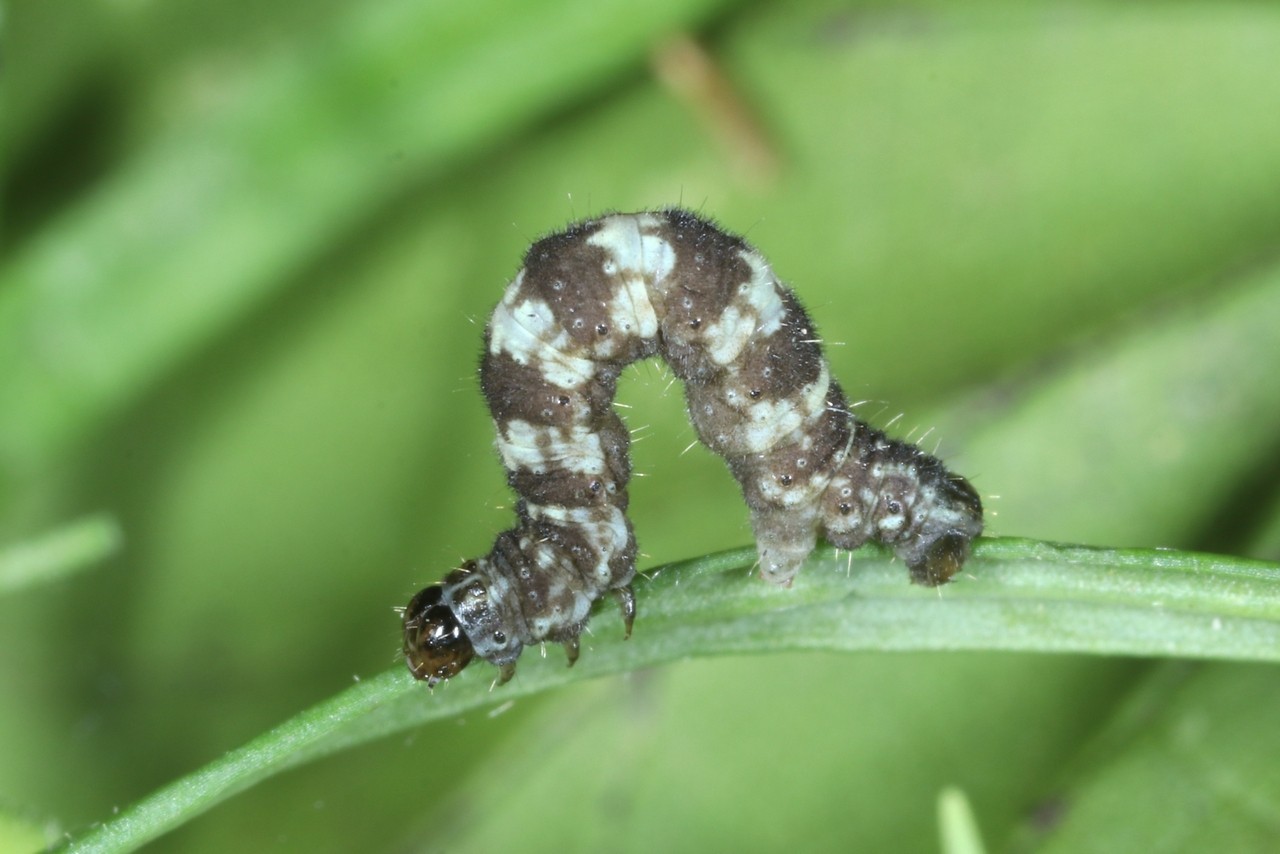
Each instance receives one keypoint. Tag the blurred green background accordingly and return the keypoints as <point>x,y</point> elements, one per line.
<point>248,250</point>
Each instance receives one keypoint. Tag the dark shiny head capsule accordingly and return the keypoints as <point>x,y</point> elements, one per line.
<point>435,647</point>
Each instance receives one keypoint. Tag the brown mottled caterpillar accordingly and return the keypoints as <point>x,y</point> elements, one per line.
<point>589,301</point>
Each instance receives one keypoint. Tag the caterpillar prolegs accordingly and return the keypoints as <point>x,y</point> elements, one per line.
<point>589,301</point>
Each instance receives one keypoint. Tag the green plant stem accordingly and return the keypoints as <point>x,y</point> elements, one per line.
<point>72,547</point>
<point>957,827</point>
<point>1014,595</point>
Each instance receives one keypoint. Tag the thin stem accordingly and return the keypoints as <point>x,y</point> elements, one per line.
<point>1014,595</point>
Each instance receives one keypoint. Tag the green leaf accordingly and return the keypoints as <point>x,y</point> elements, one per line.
<point>20,835</point>
<point>1022,595</point>
<point>1198,774</point>
<point>957,828</point>
<point>68,549</point>
<point>215,215</point>
<point>1147,438</point>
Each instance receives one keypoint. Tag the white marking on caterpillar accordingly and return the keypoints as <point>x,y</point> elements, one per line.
<point>524,445</point>
<point>602,294</point>
<point>520,333</point>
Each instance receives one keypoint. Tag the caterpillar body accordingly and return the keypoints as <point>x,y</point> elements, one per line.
<point>590,300</point>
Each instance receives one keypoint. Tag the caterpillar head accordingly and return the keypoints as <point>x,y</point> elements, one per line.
<point>449,623</point>
<point>435,646</point>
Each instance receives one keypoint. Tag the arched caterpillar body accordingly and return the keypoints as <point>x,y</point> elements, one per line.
<point>590,300</point>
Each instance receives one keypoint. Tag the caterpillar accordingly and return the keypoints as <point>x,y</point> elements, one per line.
<point>590,300</point>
